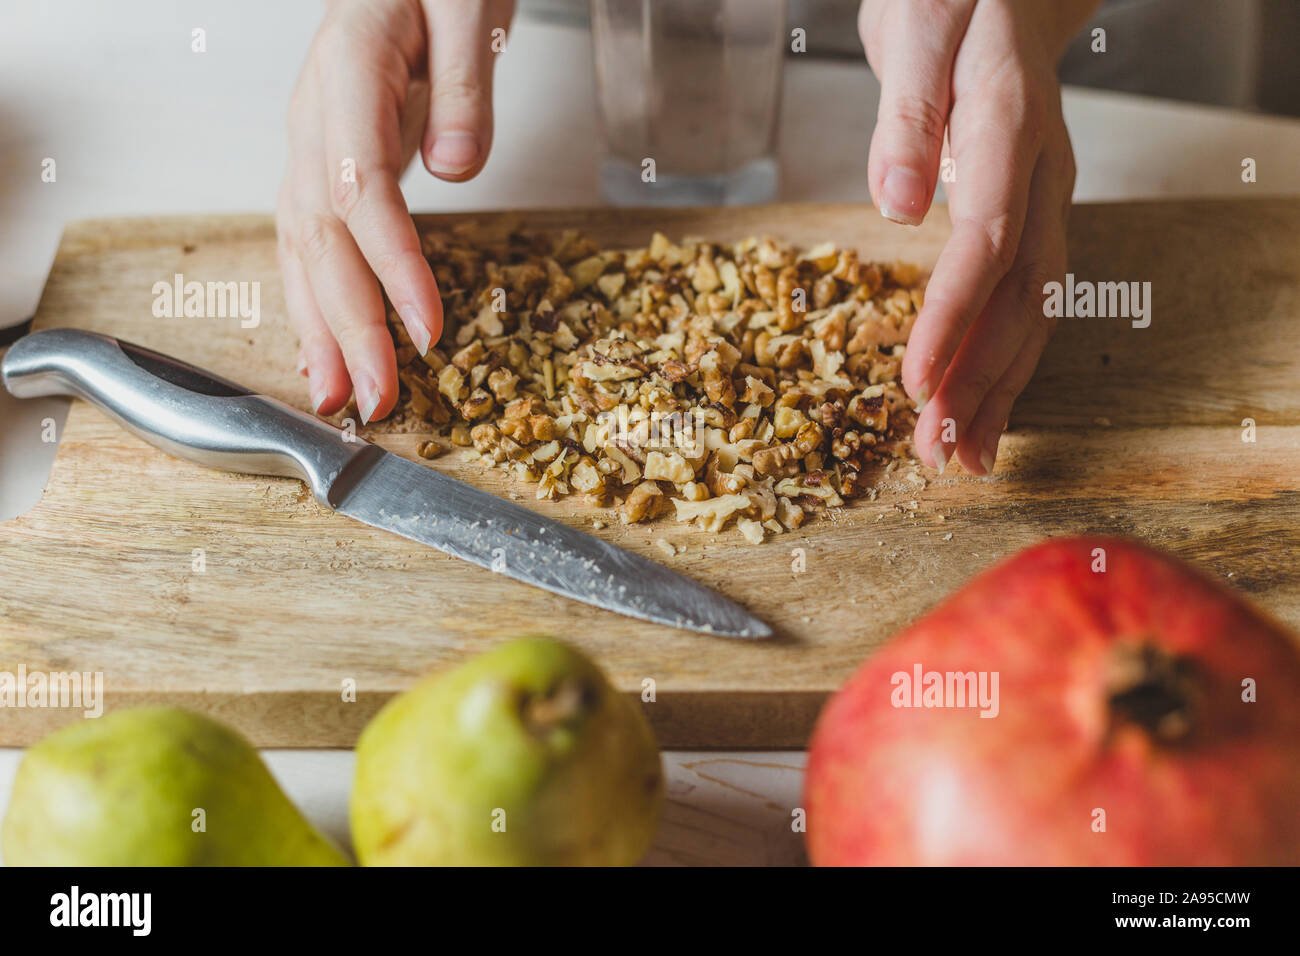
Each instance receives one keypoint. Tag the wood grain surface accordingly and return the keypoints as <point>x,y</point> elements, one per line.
<point>1135,431</point>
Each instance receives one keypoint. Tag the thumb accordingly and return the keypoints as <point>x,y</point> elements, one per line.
<point>911,47</point>
<point>465,40</point>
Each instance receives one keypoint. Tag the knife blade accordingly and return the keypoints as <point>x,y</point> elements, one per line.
<point>395,494</point>
<point>196,415</point>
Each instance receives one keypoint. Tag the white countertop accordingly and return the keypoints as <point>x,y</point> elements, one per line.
<point>138,124</point>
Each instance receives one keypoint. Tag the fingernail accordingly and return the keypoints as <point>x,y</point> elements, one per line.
<point>302,362</point>
<point>367,397</point>
<point>416,328</point>
<point>940,456</point>
<point>902,197</point>
<point>453,152</point>
<point>989,456</point>
<point>922,396</point>
<point>319,392</point>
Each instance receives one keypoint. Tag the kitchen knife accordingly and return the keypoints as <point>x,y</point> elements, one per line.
<point>193,414</point>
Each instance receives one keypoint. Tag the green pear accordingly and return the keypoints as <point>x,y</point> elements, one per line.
<point>524,755</point>
<point>154,786</point>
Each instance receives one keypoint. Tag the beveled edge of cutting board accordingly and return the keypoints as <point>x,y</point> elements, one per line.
<point>714,720</point>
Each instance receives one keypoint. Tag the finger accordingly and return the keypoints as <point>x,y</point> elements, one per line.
<point>911,47</point>
<point>984,433</point>
<point>342,285</point>
<point>462,54</point>
<point>319,357</point>
<point>363,150</point>
<point>995,143</point>
<point>979,450</point>
<point>995,338</point>
<point>1013,317</point>
<point>349,299</point>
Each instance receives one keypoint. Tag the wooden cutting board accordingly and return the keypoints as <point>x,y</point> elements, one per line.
<point>1135,431</point>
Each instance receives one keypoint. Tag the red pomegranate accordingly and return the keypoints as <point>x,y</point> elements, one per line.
<point>1135,712</point>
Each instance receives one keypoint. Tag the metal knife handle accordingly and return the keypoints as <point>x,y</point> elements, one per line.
<point>184,410</point>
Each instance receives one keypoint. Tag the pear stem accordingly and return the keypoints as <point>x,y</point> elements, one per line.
<point>567,701</point>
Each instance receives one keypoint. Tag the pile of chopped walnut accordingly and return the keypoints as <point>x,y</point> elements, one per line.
<point>747,381</point>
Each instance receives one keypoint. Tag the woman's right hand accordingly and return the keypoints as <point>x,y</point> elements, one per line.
<point>382,78</point>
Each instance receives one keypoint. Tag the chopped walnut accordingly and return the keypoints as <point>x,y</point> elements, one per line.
<point>789,514</point>
<point>747,382</point>
<point>451,382</point>
<point>503,383</point>
<point>642,502</point>
<point>477,405</point>
<point>670,467</point>
<point>779,460</point>
<point>712,513</point>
